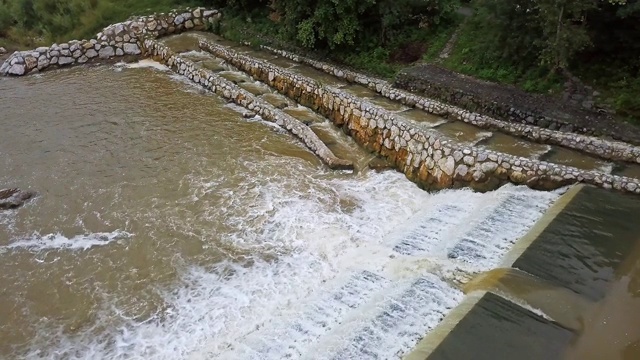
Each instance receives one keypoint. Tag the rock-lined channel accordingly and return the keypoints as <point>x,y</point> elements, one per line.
<point>172,224</point>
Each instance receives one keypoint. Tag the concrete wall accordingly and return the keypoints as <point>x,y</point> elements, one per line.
<point>606,149</point>
<point>425,159</point>
<point>230,91</point>
<point>115,42</point>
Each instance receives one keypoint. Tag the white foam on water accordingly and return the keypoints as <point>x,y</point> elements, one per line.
<point>538,154</point>
<point>483,135</point>
<point>38,242</point>
<point>145,63</point>
<point>606,168</point>
<point>318,277</point>
<point>197,54</point>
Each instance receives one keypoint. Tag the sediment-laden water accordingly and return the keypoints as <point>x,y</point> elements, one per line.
<point>169,227</point>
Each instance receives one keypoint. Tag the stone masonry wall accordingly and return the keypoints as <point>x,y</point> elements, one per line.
<point>606,149</point>
<point>117,41</point>
<point>430,162</point>
<point>230,91</point>
<point>511,105</point>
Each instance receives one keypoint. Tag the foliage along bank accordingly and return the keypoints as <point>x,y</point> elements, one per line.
<point>536,44</point>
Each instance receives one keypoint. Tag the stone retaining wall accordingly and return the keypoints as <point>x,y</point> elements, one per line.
<point>430,162</point>
<point>117,41</point>
<point>609,150</point>
<point>230,91</point>
<point>513,105</point>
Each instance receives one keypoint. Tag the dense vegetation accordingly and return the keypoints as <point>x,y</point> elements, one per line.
<point>35,22</point>
<point>536,44</point>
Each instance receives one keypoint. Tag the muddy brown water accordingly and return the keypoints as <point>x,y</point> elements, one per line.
<point>564,156</point>
<point>511,145</point>
<point>169,227</point>
<point>630,170</point>
<point>462,132</point>
<point>423,118</point>
<point>459,131</point>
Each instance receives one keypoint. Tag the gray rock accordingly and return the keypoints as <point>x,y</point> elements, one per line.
<point>189,24</point>
<point>462,170</point>
<point>119,29</point>
<point>119,52</point>
<point>64,60</point>
<point>106,52</point>
<point>2,50</point>
<point>489,167</point>
<point>131,49</point>
<point>13,198</point>
<point>77,54</point>
<point>43,62</point>
<point>208,13</point>
<point>16,69</point>
<point>91,53</point>
<point>16,59</point>
<point>83,59</point>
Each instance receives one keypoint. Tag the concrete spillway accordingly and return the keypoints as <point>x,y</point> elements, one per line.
<point>571,294</point>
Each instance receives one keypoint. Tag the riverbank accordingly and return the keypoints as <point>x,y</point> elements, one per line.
<point>437,78</point>
<point>429,157</point>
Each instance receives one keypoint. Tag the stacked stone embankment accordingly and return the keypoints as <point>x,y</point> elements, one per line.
<point>118,41</point>
<point>606,149</point>
<point>425,158</point>
<point>230,91</point>
<point>512,104</point>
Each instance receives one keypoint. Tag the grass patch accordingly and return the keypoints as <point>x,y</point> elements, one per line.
<point>470,58</point>
<point>30,23</point>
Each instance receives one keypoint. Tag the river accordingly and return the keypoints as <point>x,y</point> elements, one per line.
<point>167,226</point>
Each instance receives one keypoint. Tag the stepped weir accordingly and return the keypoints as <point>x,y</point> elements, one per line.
<point>487,279</point>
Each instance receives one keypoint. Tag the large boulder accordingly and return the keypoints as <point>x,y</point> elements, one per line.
<point>13,198</point>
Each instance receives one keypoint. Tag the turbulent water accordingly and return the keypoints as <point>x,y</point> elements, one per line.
<point>169,227</point>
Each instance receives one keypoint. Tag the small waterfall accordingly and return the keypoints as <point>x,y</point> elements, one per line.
<point>557,303</point>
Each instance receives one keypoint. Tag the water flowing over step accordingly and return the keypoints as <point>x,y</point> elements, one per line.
<point>441,163</point>
<point>229,90</point>
<point>369,317</point>
<point>468,236</point>
<point>606,149</point>
<point>288,339</point>
<point>339,143</point>
<point>567,296</point>
<point>404,318</point>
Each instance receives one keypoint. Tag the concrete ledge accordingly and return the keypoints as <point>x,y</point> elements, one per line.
<point>424,158</point>
<point>232,92</point>
<point>606,149</point>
